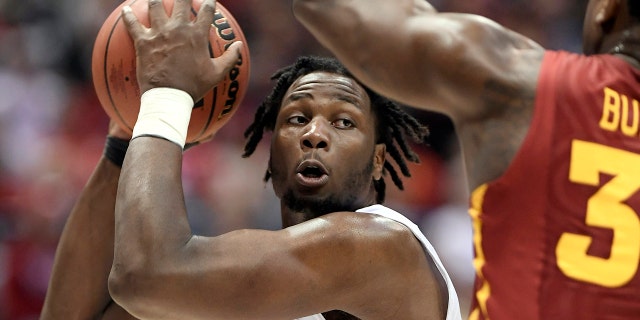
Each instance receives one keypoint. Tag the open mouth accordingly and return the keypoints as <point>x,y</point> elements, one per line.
<point>312,173</point>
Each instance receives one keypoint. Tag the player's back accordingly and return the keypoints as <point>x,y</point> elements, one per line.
<point>558,235</point>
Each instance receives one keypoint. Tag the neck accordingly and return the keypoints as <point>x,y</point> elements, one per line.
<point>298,212</point>
<point>298,207</point>
<point>290,217</point>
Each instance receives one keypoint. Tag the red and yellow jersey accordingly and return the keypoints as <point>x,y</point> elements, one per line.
<point>558,235</point>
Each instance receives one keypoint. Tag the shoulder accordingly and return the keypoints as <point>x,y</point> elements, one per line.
<point>368,232</point>
<point>377,217</point>
<point>377,234</point>
<point>376,222</point>
<point>362,237</point>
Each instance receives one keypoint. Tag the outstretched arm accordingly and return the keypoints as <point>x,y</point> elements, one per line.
<point>78,285</point>
<point>408,51</point>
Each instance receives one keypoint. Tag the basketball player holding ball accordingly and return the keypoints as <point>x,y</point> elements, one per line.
<point>114,71</point>
<point>341,254</point>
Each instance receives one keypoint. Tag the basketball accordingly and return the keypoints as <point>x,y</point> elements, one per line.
<point>114,71</point>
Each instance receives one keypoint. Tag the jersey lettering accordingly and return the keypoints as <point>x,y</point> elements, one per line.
<point>605,209</point>
<point>619,112</point>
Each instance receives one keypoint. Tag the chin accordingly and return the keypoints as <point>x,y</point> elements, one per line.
<point>316,205</point>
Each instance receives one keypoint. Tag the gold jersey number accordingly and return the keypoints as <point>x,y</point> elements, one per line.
<point>605,209</point>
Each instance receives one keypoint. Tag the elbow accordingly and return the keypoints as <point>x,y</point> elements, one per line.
<point>138,282</point>
<point>123,288</point>
<point>129,287</point>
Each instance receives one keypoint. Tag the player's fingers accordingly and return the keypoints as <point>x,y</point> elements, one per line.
<point>157,14</point>
<point>206,14</point>
<point>229,58</point>
<point>182,10</point>
<point>131,23</point>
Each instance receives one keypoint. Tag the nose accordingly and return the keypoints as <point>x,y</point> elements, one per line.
<point>316,136</point>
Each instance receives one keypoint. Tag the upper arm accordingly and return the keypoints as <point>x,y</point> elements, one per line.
<point>407,51</point>
<point>339,261</point>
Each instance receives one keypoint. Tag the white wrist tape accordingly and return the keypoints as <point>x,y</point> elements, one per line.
<point>164,113</point>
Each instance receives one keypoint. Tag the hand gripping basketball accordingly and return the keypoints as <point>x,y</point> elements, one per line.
<point>173,51</point>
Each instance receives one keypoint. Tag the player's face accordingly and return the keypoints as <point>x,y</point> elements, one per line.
<point>323,152</point>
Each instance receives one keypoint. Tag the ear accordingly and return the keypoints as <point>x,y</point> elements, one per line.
<point>379,157</point>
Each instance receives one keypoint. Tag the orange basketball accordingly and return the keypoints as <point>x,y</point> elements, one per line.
<point>114,71</point>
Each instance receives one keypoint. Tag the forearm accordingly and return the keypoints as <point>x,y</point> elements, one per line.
<point>151,222</point>
<point>78,286</point>
<point>407,51</point>
<point>355,26</point>
<point>387,44</point>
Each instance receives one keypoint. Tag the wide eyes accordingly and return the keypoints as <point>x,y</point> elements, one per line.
<point>341,123</point>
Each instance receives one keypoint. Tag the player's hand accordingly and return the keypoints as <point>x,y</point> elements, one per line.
<point>174,51</point>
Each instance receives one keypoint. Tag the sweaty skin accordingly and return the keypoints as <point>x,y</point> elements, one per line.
<point>331,115</point>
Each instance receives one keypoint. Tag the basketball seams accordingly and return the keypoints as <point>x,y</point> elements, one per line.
<point>116,92</point>
<point>106,74</point>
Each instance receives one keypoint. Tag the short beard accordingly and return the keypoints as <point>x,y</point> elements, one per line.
<point>346,200</point>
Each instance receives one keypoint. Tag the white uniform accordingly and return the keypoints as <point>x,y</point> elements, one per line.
<point>453,309</point>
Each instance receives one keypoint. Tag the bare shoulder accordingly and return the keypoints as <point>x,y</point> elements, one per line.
<point>401,276</point>
<point>370,226</point>
<point>391,244</point>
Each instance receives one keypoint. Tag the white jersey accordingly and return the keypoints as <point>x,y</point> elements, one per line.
<point>453,309</point>
<point>313,317</point>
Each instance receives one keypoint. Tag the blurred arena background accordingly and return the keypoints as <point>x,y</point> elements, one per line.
<point>52,132</point>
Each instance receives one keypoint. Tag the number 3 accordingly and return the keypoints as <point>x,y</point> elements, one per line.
<point>606,209</point>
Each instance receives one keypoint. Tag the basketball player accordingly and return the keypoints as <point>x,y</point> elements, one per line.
<point>551,143</point>
<point>341,255</point>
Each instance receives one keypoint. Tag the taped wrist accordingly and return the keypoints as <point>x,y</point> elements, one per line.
<point>164,113</point>
<point>115,149</point>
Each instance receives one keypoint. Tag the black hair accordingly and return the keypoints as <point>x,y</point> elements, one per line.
<point>393,123</point>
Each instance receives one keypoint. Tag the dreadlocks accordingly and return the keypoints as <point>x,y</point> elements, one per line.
<point>393,123</point>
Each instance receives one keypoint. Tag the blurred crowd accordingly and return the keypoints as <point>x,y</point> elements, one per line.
<point>52,131</point>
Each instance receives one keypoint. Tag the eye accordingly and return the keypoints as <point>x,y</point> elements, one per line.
<point>343,124</point>
<point>297,120</point>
